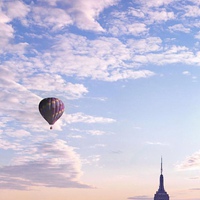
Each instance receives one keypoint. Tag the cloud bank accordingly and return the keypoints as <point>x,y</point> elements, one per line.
<point>53,164</point>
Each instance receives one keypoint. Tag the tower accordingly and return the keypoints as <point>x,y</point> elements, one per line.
<point>161,194</point>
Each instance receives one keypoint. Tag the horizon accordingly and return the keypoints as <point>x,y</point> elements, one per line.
<point>128,74</point>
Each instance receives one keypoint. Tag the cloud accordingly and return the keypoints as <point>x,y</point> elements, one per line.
<point>140,19</point>
<point>197,36</point>
<point>90,58</point>
<point>90,132</point>
<point>7,31</point>
<point>75,136</point>
<point>143,197</point>
<point>16,9</point>
<point>83,14</point>
<point>150,44</point>
<point>17,104</point>
<point>118,28</point>
<point>192,11</point>
<point>53,164</point>
<point>83,118</point>
<point>98,145</point>
<point>8,12</point>
<point>53,18</point>
<point>190,163</point>
<point>196,189</point>
<point>116,151</point>
<point>17,133</point>
<point>96,132</point>
<point>155,4</point>
<point>51,82</point>
<point>159,16</point>
<point>92,160</point>
<point>194,178</point>
<point>186,73</point>
<point>179,27</point>
<point>5,145</point>
<point>86,12</point>
<point>156,143</point>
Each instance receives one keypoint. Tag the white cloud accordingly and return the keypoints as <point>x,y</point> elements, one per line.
<point>129,74</point>
<point>197,36</point>
<point>156,143</point>
<point>17,133</point>
<point>187,73</point>
<point>118,27</point>
<point>101,59</point>
<point>97,146</point>
<point>5,145</point>
<point>4,18</point>
<point>153,3</point>
<point>192,11</point>
<point>16,9</point>
<point>20,105</point>
<point>8,12</point>
<point>190,163</point>
<point>83,14</point>
<point>50,82</point>
<point>93,160</point>
<point>53,18</point>
<point>76,90</point>
<point>146,45</point>
<point>53,164</point>
<point>75,136</point>
<point>160,15</point>
<point>86,12</point>
<point>83,118</point>
<point>96,132</point>
<point>179,27</point>
<point>6,33</point>
<point>136,12</point>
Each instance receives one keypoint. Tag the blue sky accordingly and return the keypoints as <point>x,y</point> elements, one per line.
<point>128,74</point>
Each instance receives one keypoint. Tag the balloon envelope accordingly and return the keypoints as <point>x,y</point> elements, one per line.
<point>51,109</point>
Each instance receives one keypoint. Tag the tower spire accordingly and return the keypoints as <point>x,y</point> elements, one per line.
<point>161,194</point>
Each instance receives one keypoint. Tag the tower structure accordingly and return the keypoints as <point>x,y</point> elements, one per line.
<point>161,194</point>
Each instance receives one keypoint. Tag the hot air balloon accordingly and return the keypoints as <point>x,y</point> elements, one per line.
<point>51,109</point>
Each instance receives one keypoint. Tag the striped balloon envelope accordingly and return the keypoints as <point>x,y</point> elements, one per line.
<point>51,109</point>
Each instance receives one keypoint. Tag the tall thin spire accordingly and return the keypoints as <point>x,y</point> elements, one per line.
<point>161,194</point>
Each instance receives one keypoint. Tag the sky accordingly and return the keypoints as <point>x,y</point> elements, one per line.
<point>128,72</point>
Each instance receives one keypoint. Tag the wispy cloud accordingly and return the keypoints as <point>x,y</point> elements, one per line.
<point>96,132</point>
<point>156,143</point>
<point>98,145</point>
<point>190,163</point>
<point>81,117</point>
<point>17,133</point>
<point>142,197</point>
<point>196,189</point>
<point>179,27</point>
<point>92,160</point>
<point>194,178</point>
<point>187,73</point>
